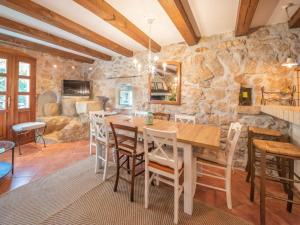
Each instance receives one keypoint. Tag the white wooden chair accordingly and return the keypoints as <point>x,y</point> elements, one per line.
<point>93,115</point>
<point>140,113</point>
<point>222,160</point>
<point>181,118</point>
<point>103,144</point>
<point>163,162</point>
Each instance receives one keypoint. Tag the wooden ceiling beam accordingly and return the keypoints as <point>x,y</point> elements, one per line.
<point>176,12</point>
<point>44,36</point>
<point>18,42</point>
<point>294,21</point>
<point>39,12</point>
<point>245,15</point>
<point>106,12</point>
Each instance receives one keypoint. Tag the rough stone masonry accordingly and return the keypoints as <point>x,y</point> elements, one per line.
<point>212,73</point>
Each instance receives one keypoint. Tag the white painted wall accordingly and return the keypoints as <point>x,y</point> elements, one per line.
<point>295,134</point>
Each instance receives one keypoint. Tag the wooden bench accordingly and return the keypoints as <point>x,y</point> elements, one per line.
<point>24,128</point>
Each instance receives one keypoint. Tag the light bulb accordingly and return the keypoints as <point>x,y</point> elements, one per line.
<point>155,58</point>
<point>73,67</point>
<point>153,69</point>
<point>139,66</point>
<point>135,62</point>
<point>90,68</point>
<point>164,66</point>
<point>55,66</point>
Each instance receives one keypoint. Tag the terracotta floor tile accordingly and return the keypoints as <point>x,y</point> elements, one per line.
<point>36,162</point>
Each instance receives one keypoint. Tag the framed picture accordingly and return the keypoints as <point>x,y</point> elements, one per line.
<point>125,96</point>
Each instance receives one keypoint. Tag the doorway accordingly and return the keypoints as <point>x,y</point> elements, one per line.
<point>17,90</point>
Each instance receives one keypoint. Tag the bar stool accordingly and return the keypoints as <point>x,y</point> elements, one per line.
<point>285,151</point>
<point>259,133</point>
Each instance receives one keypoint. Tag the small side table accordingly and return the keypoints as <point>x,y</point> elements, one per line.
<point>6,167</point>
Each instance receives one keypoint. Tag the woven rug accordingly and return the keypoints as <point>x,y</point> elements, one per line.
<point>103,206</point>
<point>76,195</point>
<point>36,201</point>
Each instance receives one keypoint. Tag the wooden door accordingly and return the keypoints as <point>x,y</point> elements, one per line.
<point>20,93</point>
<point>6,81</point>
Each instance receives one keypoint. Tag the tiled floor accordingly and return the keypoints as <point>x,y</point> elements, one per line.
<point>35,163</point>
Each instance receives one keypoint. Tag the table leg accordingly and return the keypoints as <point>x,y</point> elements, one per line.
<point>12,160</point>
<point>189,174</point>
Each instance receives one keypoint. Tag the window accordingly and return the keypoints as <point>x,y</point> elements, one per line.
<point>2,84</point>
<point>24,85</point>
<point>24,69</point>
<point>2,102</point>
<point>23,102</point>
<point>3,67</point>
<point>125,96</point>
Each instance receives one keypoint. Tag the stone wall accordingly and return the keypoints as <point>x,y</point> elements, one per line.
<point>212,73</point>
<point>49,77</point>
<point>50,71</point>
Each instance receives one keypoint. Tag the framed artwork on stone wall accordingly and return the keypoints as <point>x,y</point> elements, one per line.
<point>165,83</point>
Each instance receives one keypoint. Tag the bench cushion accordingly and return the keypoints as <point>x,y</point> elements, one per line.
<point>28,126</point>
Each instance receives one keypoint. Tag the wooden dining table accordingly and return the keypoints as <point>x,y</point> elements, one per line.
<point>188,135</point>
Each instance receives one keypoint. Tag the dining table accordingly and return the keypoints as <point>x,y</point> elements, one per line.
<point>188,136</point>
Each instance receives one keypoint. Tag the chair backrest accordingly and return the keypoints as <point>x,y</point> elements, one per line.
<point>163,141</point>
<point>101,129</point>
<point>161,116</point>
<point>140,113</point>
<point>231,141</point>
<point>125,137</point>
<point>185,118</point>
<point>93,116</point>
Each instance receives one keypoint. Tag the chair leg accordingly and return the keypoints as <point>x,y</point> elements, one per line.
<point>91,142</point>
<point>262,188</point>
<point>146,187</point>
<point>176,199</point>
<point>114,154</point>
<point>105,162</point>
<point>97,163</point>
<point>128,165</point>
<point>290,185</point>
<point>157,179</point>
<point>228,187</point>
<point>19,143</point>
<point>132,179</point>
<point>252,174</point>
<point>118,171</point>
<point>282,172</point>
<point>249,163</point>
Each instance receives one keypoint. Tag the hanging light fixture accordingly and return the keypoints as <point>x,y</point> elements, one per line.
<point>150,67</point>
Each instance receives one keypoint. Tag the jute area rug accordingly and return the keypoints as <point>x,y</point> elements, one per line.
<point>75,195</point>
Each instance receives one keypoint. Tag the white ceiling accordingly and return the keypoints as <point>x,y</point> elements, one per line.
<point>212,17</point>
<point>215,17</point>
